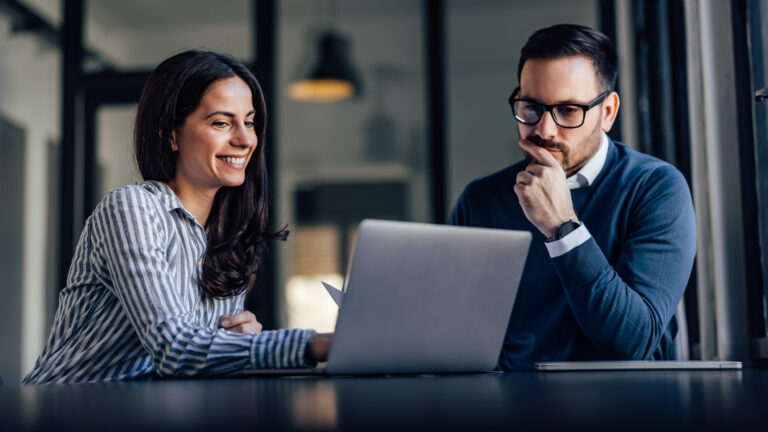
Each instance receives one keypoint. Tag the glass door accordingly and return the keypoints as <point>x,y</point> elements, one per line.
<point>757,27</point>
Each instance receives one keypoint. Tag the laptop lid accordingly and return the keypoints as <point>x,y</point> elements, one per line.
<point>424,298</point>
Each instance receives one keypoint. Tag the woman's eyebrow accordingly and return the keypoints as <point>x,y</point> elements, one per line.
<point>228,114</point>
<point>224,113</point>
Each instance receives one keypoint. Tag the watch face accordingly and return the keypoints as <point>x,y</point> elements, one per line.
<point>567,228</point>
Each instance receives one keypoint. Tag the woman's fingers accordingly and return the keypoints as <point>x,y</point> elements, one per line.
<point>244,322</point>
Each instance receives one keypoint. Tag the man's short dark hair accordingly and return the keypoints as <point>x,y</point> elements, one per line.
<point>564,40</point>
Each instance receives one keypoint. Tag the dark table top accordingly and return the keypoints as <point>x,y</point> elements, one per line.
<point>624,400</point>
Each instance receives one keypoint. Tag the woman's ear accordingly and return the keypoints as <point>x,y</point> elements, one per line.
<point>172,141</point>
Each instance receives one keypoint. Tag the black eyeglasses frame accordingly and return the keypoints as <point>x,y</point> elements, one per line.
<point>550,108</point>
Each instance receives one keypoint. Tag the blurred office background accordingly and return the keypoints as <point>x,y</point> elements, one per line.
<point>428,113</point>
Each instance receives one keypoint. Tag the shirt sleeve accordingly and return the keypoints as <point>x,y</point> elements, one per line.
<point>575,238</point>
<point>132,237</point>
<point>624,309</point>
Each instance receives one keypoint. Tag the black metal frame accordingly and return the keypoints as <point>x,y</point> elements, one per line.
<point>262,300</point>
<point>82,95</point>
<point>434,25</point>
<point>25,19</point>
<point>72,117</point>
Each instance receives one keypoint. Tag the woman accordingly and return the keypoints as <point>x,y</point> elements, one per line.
<point>160,273</point>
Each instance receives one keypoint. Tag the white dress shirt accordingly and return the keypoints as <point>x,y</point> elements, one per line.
<point>583,178</point>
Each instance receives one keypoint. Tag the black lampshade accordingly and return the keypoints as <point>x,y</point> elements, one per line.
<point>333,77</point>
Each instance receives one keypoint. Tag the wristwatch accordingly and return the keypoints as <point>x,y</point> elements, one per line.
<point>563,230</point>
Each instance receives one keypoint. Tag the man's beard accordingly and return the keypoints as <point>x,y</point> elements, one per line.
<point>546,144</point>
<point>570,167</point>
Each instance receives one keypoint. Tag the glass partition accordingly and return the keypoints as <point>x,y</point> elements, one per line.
<point>340,162</point>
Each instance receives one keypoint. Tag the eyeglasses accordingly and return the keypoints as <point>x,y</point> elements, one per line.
<point>566,115</point>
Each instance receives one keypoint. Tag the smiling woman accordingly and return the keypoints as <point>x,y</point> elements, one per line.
<point>214,144</point>
<point>159,276</point>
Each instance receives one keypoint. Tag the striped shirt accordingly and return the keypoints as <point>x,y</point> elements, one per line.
<point>132,306</point>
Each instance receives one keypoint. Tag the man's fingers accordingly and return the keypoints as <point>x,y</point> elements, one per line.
<point>541,155</point>
<point>524,178</point>
<point>535,169</point>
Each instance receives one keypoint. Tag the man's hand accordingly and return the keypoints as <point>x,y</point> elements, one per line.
<point>543,192</point>
<point>244,322</point>
<point>318,346</point>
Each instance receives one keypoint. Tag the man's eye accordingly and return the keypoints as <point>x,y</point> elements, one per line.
<point>567,110</point>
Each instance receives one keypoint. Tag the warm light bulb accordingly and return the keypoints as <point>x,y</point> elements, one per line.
<point>321,90</point>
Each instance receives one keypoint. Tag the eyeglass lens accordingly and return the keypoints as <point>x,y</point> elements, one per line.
<point>565,115</point>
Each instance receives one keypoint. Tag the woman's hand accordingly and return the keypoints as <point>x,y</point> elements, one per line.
<point>244,322</point>
<point>318,346</point>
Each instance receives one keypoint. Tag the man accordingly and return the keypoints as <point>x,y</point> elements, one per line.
<point>614,233</point>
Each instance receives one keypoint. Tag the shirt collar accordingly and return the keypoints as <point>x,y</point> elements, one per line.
<point>588,173</point>
<point>165,194</point>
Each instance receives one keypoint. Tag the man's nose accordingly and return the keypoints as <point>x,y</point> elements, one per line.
<point>546,127</point>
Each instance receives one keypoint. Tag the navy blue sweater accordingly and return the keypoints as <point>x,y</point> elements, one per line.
<point>614,297</point>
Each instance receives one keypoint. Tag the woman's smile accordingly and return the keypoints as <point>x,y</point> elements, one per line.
<point>233,161</point>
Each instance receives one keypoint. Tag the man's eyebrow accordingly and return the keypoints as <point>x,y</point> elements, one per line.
<point>228,114</point>
<point>566,102</point>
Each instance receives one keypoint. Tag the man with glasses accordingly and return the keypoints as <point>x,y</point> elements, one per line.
<point>614,232</point>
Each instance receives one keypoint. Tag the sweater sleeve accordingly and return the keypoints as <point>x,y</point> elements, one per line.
<point>625,309</point>
<point>131,232</point>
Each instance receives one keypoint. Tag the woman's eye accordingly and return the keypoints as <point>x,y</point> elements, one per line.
<point>220,124</point>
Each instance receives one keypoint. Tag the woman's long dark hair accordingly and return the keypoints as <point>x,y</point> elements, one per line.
<point>236,228</point>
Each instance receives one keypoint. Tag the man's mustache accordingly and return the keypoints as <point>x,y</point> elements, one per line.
<point>541,142</point>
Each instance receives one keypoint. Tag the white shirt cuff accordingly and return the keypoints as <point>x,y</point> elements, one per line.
<point>574,239</point>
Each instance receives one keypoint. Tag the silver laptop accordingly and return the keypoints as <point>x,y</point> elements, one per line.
<point>636,365</point>
<point>424,298</point>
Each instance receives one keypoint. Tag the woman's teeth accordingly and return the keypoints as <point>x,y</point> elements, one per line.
<point>233,160</point>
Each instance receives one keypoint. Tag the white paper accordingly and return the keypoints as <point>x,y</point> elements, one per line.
<point>334,292</point>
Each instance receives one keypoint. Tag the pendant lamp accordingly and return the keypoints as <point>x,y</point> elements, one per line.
<point>333,78</point>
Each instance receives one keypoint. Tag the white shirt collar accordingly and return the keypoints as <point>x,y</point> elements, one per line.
<point>588,173</point>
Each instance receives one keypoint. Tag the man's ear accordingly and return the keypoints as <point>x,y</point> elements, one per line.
<point>610,110</point>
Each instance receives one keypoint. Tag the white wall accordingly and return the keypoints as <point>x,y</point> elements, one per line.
<point>30,97</point>
<point>114,149</point>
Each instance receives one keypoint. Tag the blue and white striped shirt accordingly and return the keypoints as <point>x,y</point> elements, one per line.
<point>133,307</point>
